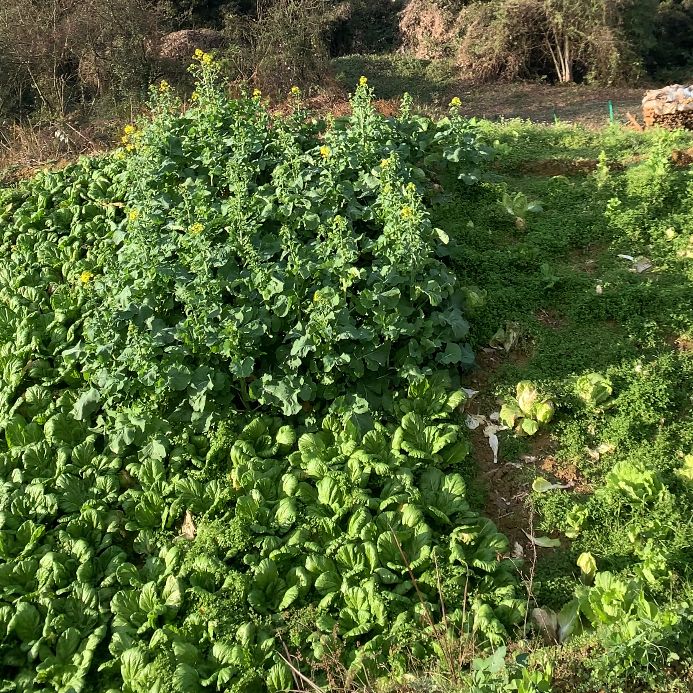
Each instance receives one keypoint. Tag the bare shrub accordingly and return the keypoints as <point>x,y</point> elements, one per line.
<point>427,29</point>
<point>500,40</point>
<point>283,43</point>
<point>65,51</point>
<point>180,45</point>
<point>564,40</point>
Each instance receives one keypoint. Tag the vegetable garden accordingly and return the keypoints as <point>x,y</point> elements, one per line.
<point>236,356</point>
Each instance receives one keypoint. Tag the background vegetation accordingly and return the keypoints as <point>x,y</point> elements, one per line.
<point>61,54</point>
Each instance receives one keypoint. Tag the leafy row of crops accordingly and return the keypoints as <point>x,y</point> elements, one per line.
<point>230,436</point>
<point>235,452</point>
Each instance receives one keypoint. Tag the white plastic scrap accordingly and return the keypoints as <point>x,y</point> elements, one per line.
<point>640,264</point>
<point>493,444</point>
<point>491,428</point>
<point>473,421</point>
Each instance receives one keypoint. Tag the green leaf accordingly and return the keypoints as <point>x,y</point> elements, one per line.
<point>19,433</point>
<point>527,395</point>
<point>442,236</point>
<point>685,472</point>
<point>587,564</point>
<point>452,354</point>
<point>279,678</point>
<point>530,426</point>
<point>509,413</point>
<point>86,404</point>
<point>172,593</point>
<point>186,679</point>
<point>544,542</point>
<point>178,378</point>
<point>67,644</point>
<point>541,485</point>
<point>63,429</point>
<point>290,596</point>
<point>569,620</point>
<point>286,435</point>
<point>328,582</point>
<point>132,665</point>
<point>285,514</point>
<point>25,622</point>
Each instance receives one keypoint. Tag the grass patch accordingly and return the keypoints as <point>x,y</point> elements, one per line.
<point>581,308</point>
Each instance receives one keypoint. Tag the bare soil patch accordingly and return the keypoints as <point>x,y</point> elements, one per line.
<point>507,483</point>
<point>545,103</point>
<point>551,318</point>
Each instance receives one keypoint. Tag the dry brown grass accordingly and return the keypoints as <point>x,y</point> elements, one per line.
<point>426,29</point>
<point>28,147</point>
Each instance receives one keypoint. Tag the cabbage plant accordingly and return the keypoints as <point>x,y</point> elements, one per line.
<point>528,410</point>
<point>594,389</point>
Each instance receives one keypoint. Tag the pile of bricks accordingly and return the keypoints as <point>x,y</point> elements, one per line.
<point>670,107</point>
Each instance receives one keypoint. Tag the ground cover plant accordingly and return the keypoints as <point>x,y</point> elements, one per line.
<point>592,300</point>
<point>236,357</point>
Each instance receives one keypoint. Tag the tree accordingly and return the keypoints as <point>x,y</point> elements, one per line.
<point>565,40</point>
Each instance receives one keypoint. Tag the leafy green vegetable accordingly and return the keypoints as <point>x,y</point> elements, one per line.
<point>528,410</point>
<point>156,535</point>
<point>594,389</point>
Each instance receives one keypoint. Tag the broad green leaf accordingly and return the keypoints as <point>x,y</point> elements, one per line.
<point>544,542</point>
<point>19,433</point>
<point>87,403</point>
<point>541,485</point>
<point>530,426</point>
<point>186,679</point>
<point>25,622</point>
<point>279,678</point>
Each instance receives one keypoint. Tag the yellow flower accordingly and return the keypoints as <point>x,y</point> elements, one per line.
<point>257,93</point>
<point>325,151</point>
<point>85,276</point>
<point>194,96</point>
<point>133,214</point>
<point>164,86</point>
<point>196,228</point>
<point>199,53</point>
<point>407,212</point>
<point>411,187</point>
<point>455,103</point>
<point>316,297</point>
<point>207,59</point>
<point>363,81</point>
<point>385,163</point>
<point>130,129</point>
<point>295,91</point>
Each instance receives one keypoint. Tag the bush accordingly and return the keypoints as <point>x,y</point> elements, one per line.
<point>281,43</point>
<point>320,273</point>
<point>63,53</point>
<point>562,39</point>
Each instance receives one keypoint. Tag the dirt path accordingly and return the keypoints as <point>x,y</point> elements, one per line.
<point>545,103</point>
<point>433,83</point>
